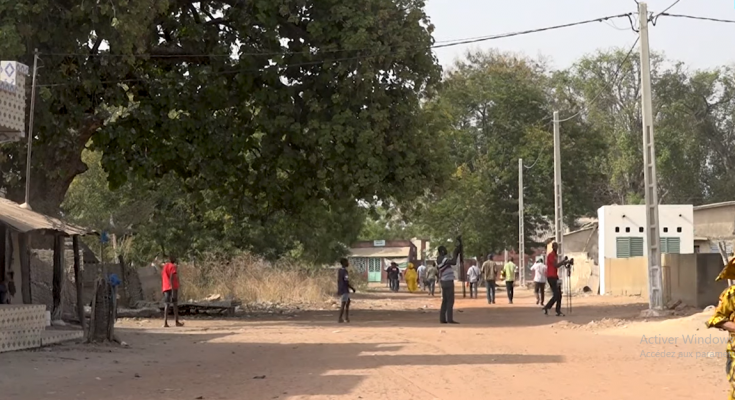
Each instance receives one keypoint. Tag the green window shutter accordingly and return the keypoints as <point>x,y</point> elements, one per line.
<point>622,247</point>
<point>673,245</point>
<point>636,247</point>
<point>663,245</point>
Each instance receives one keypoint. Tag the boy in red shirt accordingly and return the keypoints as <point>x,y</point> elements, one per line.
<point>170,288</point>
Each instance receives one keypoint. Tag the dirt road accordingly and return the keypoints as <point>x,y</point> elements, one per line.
<point>393,349</point>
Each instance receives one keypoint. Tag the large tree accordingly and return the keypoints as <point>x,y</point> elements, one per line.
<point>281,109</point>
<point>499,109</point>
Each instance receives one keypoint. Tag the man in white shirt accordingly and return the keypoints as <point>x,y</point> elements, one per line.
<point>473,276</point>
<point>539,280</point>
<point>422,276</point>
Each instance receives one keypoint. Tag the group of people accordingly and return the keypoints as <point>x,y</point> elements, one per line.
<point>422,278</point>
<point>444,272</point>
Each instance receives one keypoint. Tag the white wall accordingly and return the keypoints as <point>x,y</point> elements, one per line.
<point>630,219</point>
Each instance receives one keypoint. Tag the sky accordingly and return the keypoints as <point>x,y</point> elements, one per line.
<point>700,44</point>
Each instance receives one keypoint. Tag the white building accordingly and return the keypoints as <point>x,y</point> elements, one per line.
<point>622,232</point>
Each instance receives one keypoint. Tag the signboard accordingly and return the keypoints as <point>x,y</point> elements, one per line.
<point>12,100</point>
<point>378,243</point>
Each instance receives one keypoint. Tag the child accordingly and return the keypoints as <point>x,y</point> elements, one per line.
<point>343,290</point>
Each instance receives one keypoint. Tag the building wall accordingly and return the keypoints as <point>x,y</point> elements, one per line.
<point>626,277</point>
<point>715,222</point>
<point>686,277</point>
<point>629,220</point>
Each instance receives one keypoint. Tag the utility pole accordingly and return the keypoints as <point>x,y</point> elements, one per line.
<point>655,292</point>
<point>27,203</point>
<point>558,213</point>
<point>521,238</point>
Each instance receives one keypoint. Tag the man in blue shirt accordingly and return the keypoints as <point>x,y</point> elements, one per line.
<point>343,291</point>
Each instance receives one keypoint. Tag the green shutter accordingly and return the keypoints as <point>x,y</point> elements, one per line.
<point>663,248</point>
<point>636,247</point>
<point>622,247</point>
<point>671,245</point>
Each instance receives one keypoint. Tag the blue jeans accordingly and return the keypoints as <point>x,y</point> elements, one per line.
<point>490,290</point>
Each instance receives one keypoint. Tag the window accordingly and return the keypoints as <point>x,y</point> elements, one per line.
<point>640,229</point>
<point>627,229</point>
<point>678,230</point>
<point>666,230</point>
<point>670,245</point>
<point>627,247</point>
<point>617,229</point>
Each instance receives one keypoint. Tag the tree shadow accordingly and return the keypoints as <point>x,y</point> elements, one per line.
<point>172,365</point>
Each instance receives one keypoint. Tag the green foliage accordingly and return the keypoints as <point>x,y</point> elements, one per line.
<point>267,149</point>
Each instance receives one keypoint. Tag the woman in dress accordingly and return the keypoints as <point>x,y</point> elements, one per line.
<point>412,278</point>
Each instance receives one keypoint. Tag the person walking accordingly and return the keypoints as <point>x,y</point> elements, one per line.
<point>422,276</point>
<point>509,273</point>
<point>539,280</point>
<point>446,276</point>
<point>473,276</point>
<point>489,273</point>
<point>394,275</point>
<point>170,288</point>
<point>432,275</point>
<point>552,276</point>
<point>412,278</point>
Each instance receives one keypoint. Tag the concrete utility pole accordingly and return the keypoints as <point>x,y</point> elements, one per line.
<point>655,292</point>
<point>27,203</point>
<point>558,213</point>
<point>521,238</point>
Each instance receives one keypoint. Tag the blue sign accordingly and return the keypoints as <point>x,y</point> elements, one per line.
<point>104,238</point>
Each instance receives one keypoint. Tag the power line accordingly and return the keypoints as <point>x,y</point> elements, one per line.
<point>437,45</point>
<point>729,21</point>
<point>608,87</point>
<point>526,32</point>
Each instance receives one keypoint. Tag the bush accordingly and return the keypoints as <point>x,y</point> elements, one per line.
<point>251,280</point>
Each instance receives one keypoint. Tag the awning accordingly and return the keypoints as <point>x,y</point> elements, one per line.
<point>25,220</point>
<point>380,252</point>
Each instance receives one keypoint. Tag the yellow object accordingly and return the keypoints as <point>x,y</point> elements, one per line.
<point>728,272</point>
<point>412,278</point>
<point>724,312</point>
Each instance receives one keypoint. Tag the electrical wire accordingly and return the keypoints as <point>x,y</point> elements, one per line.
<point>608,87</point>
<point>437,45</point>
<point>729,21</point>
<point>318,62</point>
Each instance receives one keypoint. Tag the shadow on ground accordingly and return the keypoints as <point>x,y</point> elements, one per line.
<point>183,366</point>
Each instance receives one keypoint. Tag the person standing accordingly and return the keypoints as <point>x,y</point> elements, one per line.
<point>446,277</point>
<point>723,319</point>
<point>539,280</point>
<point>412,278</point>
<point>432,274</point>
<point>473,276</point>
<point>509,273</point>
<point>489,273</point>
<point>422,276</point>
<point>343,291</point>
<point>552,276</point>
<point>170,288</point>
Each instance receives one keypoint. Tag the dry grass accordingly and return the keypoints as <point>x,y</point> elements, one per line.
<point>253,280</point>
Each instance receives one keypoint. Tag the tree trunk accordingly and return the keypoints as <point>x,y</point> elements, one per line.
<point>102,320</point>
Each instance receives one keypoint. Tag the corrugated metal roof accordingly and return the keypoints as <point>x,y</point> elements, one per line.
<point>25,220</point>
<point>380,252</point>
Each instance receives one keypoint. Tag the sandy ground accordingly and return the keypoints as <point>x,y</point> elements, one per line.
<point>393,349</point>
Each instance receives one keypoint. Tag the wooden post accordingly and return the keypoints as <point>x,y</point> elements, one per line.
<point>25,266</point>
<point>58,276</point>
<point>78,281</point>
